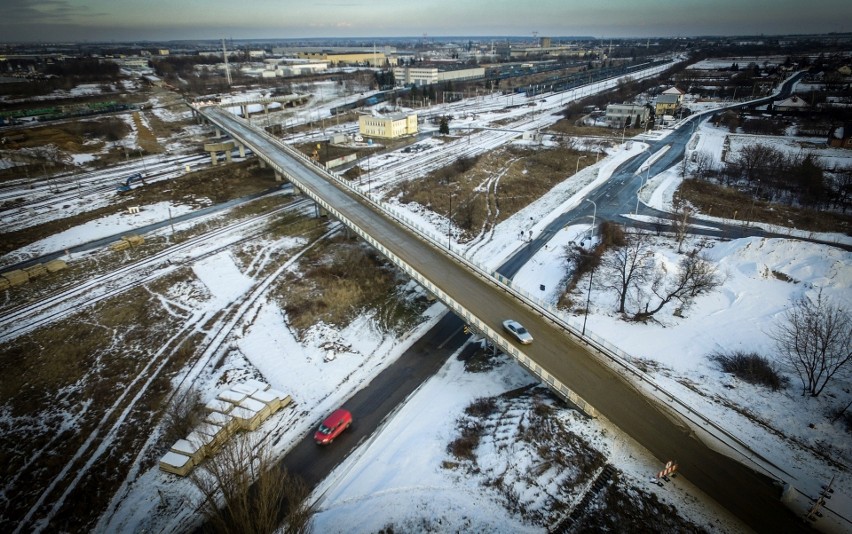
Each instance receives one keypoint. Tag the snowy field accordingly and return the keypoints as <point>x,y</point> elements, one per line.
<point>384,474</point>
<point>397,477</point>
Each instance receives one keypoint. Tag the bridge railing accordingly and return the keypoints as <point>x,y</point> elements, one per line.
<point>618,359</point>
<point>615,358</point>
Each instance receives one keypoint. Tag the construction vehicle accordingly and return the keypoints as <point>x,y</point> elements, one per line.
<point>125,186</point>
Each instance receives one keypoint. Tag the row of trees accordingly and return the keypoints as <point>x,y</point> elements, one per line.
<point>86,69</point>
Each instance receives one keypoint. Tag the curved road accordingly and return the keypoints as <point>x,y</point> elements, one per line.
<point>619,194</point>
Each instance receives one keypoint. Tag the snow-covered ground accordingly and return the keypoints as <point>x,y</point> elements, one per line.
<point>397,475</point>
<point>737,317</point>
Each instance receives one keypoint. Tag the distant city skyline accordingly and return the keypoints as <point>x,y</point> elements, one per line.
<point>126,20</point>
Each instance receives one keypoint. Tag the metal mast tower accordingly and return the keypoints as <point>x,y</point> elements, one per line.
<point>227,70</point>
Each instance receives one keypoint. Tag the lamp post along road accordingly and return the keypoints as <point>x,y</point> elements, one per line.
<point>449,223</point>
<point>594,214</point>
<point>644,181</point>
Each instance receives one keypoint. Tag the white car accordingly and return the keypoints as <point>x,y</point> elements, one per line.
<point>520,333</point>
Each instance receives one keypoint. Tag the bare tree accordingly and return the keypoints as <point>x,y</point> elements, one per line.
<point>183,415</point>
<point>243,490</point>
<point>815,339</point>
<point>755,157</point>
<point>628,266</point>
<point>695,276</point>
<point>703,164</point>
<point>680,222</point>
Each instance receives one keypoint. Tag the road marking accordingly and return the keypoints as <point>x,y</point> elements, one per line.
<point>451,336</point>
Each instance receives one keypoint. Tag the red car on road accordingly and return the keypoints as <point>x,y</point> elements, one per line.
<point>333,425</point>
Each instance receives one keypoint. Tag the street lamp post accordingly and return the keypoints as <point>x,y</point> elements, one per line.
<point>594,214</point>
<point>588,298</point>
<point>450,224</point>
<point>577,168</point>
<point>644,181</point>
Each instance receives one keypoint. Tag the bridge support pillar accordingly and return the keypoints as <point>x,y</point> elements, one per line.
<point>296,189</point>
<point>320,211</point>
<point>244,111</point>
<point>242,148</point>
<point>262,163</point>
<point>278,177</point>
<point>218,132</point>
<point>215,148</point>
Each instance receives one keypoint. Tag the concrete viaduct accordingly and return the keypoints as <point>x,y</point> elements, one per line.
<point>599,382</point>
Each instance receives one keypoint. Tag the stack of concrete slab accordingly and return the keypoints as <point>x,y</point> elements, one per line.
<point>55,265</point>
<point>187,448</point>
<point>16,277</point>
<point>243,406</point>
<point>250,413</point>
<point>34,271</point>
<point>179,464</point>
<point>272,398</point>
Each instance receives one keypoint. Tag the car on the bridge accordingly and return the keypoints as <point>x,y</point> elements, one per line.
<point>516,329</point>
<point>332,426</point>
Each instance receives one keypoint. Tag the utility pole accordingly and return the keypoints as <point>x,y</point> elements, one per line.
<point>588,299</point>
<point>450,223</point>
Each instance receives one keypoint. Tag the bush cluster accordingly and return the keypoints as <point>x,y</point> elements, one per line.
<point>752,368</point>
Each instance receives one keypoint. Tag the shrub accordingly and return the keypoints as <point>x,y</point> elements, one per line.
<point>612,234</point>
<point>752,368</point>
<point>482,407</point>
<point>464,446</point>
<point>182,416</point>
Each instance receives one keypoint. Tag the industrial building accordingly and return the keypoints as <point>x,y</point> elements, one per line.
<point>279,68</point>
<point>374,59</point>
<point>430,75</point>
<point>617,114</point>
<point>388,127</point>
<point>545,48</point>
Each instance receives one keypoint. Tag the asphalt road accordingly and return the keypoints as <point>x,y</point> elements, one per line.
<point>618,196</point>
<point>373,403</point>
<point>749,495</point>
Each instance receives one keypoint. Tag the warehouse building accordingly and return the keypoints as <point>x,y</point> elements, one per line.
<point>617,114</point>
<point>388,127</point>
<point>430,75</point>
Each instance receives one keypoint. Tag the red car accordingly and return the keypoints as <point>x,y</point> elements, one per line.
<point>333,425</point>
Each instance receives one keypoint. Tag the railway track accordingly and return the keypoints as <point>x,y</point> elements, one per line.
<point>217,324</point>
<point>26,202</point>
<point>22,319</point>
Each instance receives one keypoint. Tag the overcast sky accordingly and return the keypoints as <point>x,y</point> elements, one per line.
<point>123,20</point>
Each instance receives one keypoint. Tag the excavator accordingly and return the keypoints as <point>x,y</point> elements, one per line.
<point>125,186</point>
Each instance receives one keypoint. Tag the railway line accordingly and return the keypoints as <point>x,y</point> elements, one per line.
<point>215,323</point>
<point>24,203</point>
<point>19,320</point>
